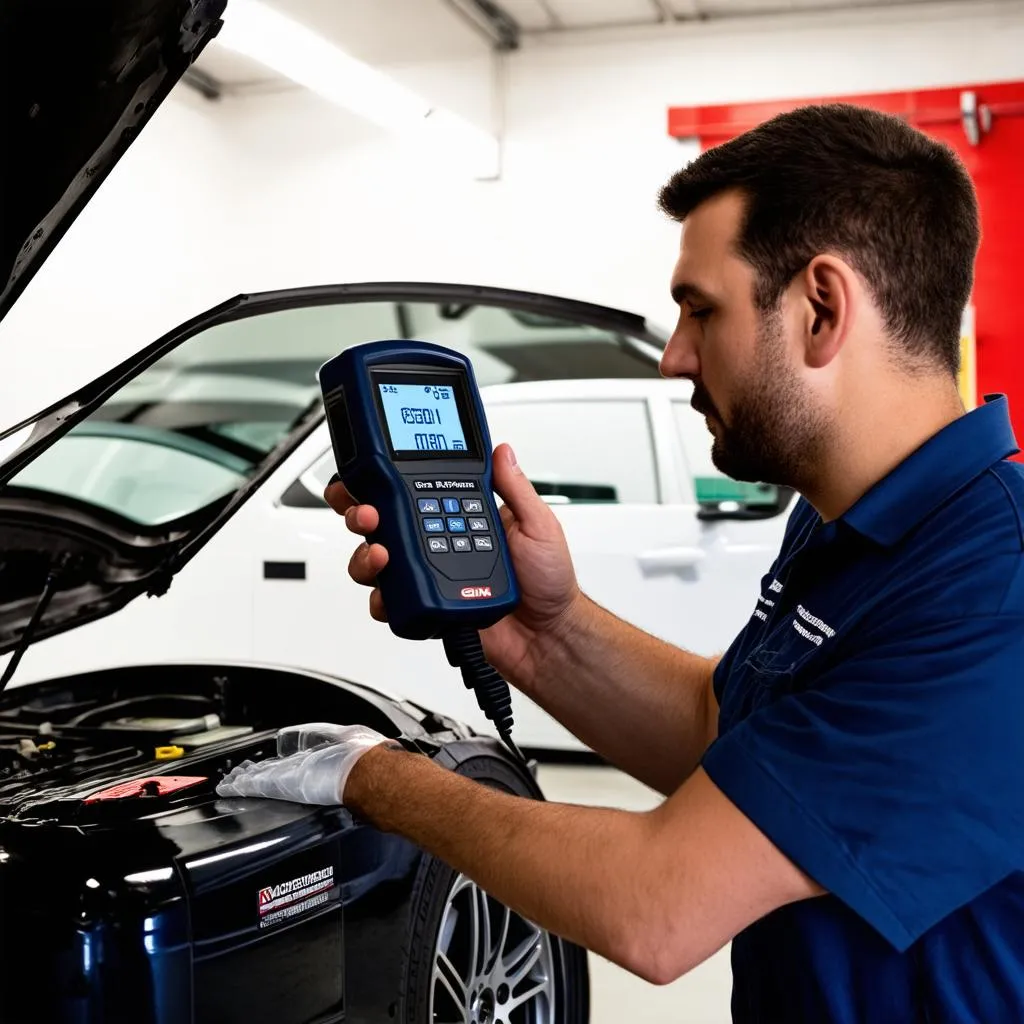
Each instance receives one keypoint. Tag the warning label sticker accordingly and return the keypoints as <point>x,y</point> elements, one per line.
<point>278,903</point>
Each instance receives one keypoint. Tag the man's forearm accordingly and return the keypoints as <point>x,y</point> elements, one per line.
<point>515,849</point>
<point>644,705</point>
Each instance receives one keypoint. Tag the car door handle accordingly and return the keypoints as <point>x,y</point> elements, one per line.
<point>671,558</point>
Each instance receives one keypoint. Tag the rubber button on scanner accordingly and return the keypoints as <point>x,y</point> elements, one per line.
<point>483,543</point>
<point>461,544</point>
<point>433,525</point>
<point>451,505</point>
<point>457,525</point>
<point>471,505</point>
<point>437,544</point>
<point>478,524</point>
<point>429,506</point>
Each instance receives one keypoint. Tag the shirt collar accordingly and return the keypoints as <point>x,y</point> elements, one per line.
<point>951,459</point>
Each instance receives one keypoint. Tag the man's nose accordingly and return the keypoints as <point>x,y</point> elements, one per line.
<point>680,357</point>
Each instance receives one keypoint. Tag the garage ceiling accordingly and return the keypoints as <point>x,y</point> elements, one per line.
<point>391,33</point>
<point>539,17</point>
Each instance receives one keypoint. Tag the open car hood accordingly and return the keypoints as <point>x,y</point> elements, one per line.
<point>81,80</point>
<point>203,416</point>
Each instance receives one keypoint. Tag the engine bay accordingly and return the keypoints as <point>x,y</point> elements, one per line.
<point>136,740</point>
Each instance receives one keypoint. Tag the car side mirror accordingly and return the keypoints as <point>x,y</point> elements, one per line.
<point>719,498</point>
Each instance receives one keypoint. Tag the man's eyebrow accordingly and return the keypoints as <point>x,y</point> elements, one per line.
<point>684,291</point>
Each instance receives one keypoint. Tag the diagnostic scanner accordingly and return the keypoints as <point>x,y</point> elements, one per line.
<point>410,437</point>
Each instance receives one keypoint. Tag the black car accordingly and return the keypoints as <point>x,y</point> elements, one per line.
<point>129,891</point>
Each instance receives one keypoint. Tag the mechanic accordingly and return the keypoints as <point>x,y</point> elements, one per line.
<point>844,786</point>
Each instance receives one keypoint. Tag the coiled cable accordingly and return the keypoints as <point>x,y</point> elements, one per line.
<point>465,652</point>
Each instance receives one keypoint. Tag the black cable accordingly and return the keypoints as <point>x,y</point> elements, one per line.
<point>41,605</point>
<point>465,652</point>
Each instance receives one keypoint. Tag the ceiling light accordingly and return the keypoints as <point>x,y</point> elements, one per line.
<point>263,34</point>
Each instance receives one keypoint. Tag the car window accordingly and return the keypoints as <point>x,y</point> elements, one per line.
<point>237,390</point>
<point>582,450</point>
<point>710,485</point>
<point>604,452</point>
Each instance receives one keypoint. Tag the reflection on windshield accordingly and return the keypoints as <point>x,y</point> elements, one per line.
<point>150,478</point>
<point>196,424</point>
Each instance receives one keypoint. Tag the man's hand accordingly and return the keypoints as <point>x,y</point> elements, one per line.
<point>312,767</point>
<point>540,556</point>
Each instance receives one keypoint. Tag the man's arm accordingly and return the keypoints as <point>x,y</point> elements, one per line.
<point>655,892</point>
<point>645,706</point>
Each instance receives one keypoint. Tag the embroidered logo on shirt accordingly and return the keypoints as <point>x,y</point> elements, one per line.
<point>767,603</point>
<point>775,587</point>
<point>824,630</point>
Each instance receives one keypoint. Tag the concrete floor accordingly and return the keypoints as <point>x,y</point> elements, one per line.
<point>702,996</point>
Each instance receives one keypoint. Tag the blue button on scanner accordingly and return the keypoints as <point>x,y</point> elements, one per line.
<point>451,505</point>
<point>457,525</point>
<point>429,506</point>
<point>433,525</point>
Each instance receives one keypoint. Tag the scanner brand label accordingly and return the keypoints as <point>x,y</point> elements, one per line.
<point>475,593</point>
<point>279,903</point>
<point>445,485</point>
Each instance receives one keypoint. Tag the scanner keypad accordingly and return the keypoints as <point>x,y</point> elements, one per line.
<point>457,529</point>
<point>455,522</point>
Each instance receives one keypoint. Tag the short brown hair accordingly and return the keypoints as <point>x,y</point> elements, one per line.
<point>897,205</point>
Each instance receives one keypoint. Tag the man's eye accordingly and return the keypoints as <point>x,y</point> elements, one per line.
<point>700,314</point>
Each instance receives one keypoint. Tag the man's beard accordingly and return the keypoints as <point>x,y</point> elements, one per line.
<point>774,435</point>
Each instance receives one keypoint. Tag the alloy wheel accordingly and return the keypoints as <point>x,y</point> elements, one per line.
<point>491,966</point>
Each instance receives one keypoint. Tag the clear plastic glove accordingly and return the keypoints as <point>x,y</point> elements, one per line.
<point>313,764</point>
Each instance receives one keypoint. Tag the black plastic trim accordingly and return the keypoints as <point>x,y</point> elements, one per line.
<point>284,570</point>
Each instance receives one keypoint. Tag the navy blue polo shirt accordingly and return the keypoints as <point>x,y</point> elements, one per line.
<point>872,726</point>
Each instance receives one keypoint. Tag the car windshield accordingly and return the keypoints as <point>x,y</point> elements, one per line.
<point>196,424</point>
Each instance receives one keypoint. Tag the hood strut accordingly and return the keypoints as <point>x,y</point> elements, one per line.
<point>49,588</point>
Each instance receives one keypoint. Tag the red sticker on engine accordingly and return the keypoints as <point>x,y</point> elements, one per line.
<point>155,785</point>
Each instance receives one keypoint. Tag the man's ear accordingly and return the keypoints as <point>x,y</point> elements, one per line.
<point>827,295</point>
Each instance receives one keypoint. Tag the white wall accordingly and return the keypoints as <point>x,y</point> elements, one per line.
<point>279,190</point>
<point>137,260</point>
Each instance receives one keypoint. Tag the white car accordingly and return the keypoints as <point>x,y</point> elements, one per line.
<point>657,534</point>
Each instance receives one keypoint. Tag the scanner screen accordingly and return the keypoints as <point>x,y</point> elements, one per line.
<point>423,418</point>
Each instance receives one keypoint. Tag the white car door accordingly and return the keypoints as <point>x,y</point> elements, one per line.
<point>592,447</point>
<point>613,483</point>
<point>619,472</point>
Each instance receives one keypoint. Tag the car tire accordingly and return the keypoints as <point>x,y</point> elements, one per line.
<point>526,976</point>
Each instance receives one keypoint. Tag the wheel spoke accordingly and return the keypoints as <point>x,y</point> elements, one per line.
<point>484,967</point>
<point>448,976</point>
<point>521,960</point>
<point>499,949</point>
<point>474,926</point>
<point>525,997</point>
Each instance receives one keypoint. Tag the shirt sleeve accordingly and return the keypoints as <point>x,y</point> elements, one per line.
<point>896,780</point>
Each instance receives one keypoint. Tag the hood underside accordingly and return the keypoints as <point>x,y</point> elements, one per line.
<point>81,79</point>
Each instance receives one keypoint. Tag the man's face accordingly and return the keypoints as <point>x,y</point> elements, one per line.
<point>744,362</point>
